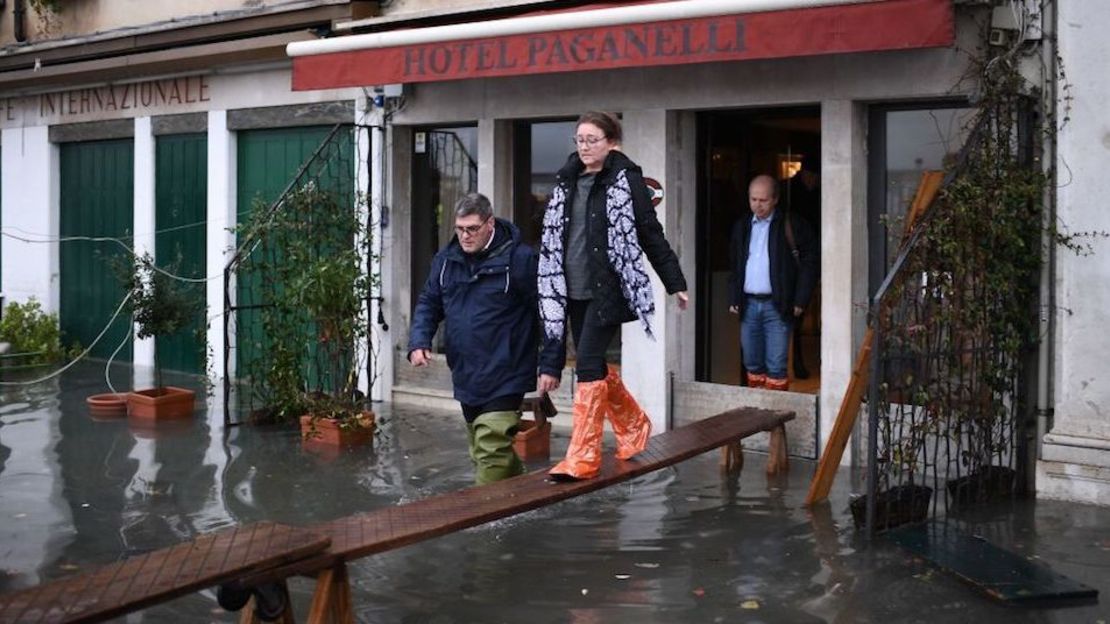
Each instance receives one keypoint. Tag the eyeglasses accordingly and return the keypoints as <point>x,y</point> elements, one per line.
<point>469,230</point>
<point>586,141</point>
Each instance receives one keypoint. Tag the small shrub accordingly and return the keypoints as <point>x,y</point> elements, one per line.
<point>31,330</point>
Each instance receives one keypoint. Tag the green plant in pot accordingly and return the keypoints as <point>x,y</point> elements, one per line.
<point>327,282</point>
<point>160,307</point>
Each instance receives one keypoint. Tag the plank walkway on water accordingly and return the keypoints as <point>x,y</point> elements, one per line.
<point>158,576</point>
<point>357,536</point>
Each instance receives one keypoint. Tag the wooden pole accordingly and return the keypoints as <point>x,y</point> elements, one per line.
<point>849,407</point>
<point>332,601</point>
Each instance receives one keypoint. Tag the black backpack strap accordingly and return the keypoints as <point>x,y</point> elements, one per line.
<point>790,242</point>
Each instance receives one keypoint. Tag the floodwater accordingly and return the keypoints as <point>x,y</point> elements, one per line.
<point>676,546</point>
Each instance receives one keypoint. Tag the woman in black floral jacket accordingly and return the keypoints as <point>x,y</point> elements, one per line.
<point>598,227</point>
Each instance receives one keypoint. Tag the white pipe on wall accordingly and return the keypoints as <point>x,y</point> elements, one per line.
<point>571,20</point>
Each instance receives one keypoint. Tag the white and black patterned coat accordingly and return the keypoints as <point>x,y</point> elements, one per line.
<point>611,294</point>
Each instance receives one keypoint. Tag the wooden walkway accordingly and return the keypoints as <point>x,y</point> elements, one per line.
<point>386,529</point>
<point>327,547</point>
<point>161,575</point>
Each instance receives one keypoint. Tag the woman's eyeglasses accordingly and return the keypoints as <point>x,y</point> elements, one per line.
<point>586,141</point>
<point>469,230</point>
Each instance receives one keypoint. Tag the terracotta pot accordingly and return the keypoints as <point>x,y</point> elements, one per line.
<point>327,431</point>
<point>532,442</point>
<point>161,403</point>
<point>107,406</point>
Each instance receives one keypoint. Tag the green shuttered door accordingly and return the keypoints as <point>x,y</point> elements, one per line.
<point>181,186</point>
<point>267,160</point>
<point>96,200</point>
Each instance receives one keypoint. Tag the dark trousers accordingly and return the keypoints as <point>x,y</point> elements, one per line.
<point>591,339</point>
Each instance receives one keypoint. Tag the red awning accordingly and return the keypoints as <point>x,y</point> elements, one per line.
<point>863,27</point>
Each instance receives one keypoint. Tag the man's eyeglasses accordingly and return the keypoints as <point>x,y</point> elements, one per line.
<point>469,230</point>
<point>586,141</point>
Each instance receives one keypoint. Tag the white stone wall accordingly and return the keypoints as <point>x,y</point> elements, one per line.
<point>1076,453</point>
<point>29,167</point>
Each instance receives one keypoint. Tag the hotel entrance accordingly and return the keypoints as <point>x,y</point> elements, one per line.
<point>733,148</point>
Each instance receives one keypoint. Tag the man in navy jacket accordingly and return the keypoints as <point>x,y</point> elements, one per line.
<point>483,286</point>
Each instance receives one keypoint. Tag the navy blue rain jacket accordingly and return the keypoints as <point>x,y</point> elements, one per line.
<point>492,320</point>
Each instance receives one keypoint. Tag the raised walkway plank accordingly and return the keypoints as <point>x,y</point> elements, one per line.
<point>386,529</point>
<point>138,582</point>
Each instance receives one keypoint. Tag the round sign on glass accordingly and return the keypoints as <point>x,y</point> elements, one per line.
<point>656,190</point>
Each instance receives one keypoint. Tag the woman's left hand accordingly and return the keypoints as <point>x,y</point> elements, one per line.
<point>683,299</point>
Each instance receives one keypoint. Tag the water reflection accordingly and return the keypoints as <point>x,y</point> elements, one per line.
<point>678,545</point>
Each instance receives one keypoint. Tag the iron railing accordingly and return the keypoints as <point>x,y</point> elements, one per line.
<point>253,284</point>
<point>947,413</point>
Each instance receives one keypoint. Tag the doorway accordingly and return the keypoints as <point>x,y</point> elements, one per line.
<point>733,148</point>
<point>444,169</point>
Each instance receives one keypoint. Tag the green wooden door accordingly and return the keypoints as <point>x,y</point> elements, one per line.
<point>181,187</point>
<point>267,160</point>
<point>96,201</point>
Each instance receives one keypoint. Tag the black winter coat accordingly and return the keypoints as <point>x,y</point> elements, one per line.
<point>611,306</point>
<point>792,281</point>
<point>491,315</point>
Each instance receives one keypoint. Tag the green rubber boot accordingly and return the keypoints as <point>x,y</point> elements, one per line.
<point>492,450</point>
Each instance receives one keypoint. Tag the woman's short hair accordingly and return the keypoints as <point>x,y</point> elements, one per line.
<point>473,203</point>
<point>606,122</point>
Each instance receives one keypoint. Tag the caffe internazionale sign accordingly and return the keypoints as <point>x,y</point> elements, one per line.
<point>110,101</point>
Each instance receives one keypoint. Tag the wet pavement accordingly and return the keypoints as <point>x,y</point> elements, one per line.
<point>676,546</point>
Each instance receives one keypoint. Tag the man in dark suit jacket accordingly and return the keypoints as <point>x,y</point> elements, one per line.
<point>774,270</point>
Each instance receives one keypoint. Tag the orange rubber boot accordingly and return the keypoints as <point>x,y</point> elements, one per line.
<point>631,424</point>
<point>583,459</point>
<point>777,384</point>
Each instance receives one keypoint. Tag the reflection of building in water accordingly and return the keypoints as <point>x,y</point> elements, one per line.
<point>94,466</point>
<point>36,525</point>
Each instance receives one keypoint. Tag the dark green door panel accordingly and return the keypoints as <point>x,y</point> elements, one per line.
<point>181,187</point>
<point>267,161</point>
<point>96,201</point>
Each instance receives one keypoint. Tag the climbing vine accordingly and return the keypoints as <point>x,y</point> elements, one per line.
<point>959,323</point>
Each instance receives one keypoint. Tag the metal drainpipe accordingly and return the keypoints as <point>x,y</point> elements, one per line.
<point>19,20</point>
<point>1046,369</point>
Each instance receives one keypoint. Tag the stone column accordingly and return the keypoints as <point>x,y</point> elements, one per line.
<point>222,189</point>
<point>495,164</point>
<point>662,143</point>
<point>843,252</point>
<point>143,218</point>
<point>31,191</point>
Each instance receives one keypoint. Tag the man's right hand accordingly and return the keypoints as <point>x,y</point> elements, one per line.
<point>547,383</point>
<point>420,357</point>
<point>734,309</point>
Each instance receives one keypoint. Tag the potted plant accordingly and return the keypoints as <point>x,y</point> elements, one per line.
<point>160,307</point>
<point>899,497</point>
<point>327,282</point>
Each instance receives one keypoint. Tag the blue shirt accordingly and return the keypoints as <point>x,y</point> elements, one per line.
<point>757,274</point>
